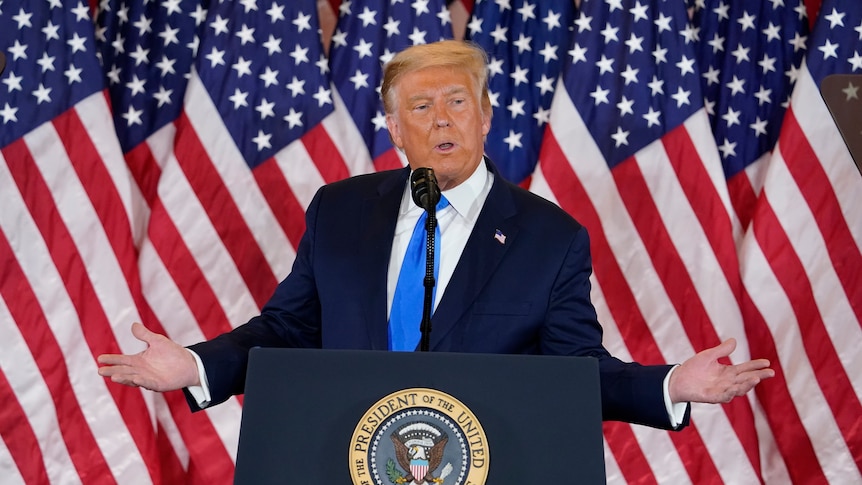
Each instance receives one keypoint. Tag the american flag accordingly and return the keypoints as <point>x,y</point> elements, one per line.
<point>526,45</point>
<point>750,54</point>
<point>646,179</point>
<point>183,213</point>
<point>802,266</point>
<point>67,233</point>
<point>219,109</point>
<point>630,154</point>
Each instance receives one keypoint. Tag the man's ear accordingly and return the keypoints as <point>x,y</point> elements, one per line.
<point>394,132</point>
<point>486,119</point>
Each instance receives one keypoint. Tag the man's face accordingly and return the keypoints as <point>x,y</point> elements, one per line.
<point>439,123</point>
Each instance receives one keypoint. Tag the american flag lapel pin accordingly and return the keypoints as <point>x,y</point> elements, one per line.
<point>499,236</point>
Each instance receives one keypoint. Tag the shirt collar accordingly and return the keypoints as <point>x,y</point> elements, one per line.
<point>467,198</point>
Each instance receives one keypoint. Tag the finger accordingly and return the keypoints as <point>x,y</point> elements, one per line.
<point>725,348</point>
<point>760,374</point>
<point>752,365</point>
<point>750,381</point>
<point>114,359</point>
<point>125,379</point>
<point>112,370</point>
<point>123,374</point>
<point>143,334</point>
<point>120,375</point>
<point>135,379</point>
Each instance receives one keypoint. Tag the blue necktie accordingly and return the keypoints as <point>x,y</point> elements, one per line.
<point>406,314</point>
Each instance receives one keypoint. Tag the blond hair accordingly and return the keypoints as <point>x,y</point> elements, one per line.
<point>449,53</point>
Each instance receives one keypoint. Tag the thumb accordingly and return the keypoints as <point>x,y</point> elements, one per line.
<point>725,348</point>
<point>141,333</point>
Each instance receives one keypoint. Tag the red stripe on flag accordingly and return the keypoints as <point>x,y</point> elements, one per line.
<point>174,253</point>
<point>828,369</point>
<point>162,457</point>
<point>813,9</point>
<point>325,154</point>
<point>94,322</point>
<point>468,4</point>
<point>630,458</point>
<point>571,195</point>
<point>574,199</point>
<point>223,212</point>
<point>209,461</point>
<point>27,313</point>
<point>199,434</point>
<point>706,203</point>
<point>18,435</point>
<point>818,193</point>
<point>791,438</point>
<point>742,197</point>
<point>100,188</point>
<point>287,210</point>
<point>171,468</point>
<point>108,205</point>
<point>186,273</point>
<point>145,171</point>
<point>388,160</point>
<point>659,245</point>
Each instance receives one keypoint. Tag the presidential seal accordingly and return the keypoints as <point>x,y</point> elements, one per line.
<point>418,436</point>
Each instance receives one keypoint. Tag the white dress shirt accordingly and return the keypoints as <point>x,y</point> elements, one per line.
<point>455,221</point>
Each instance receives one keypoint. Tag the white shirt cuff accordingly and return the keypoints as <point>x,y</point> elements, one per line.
<point>675,411</point>
<point>201,393</point>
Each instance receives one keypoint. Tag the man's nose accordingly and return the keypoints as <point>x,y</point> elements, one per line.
<point>441,118</point>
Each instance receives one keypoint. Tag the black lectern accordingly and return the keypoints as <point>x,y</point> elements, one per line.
<point>841,94</point>
<point>343,416</point>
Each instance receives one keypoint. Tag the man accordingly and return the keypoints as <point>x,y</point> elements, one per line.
<point>514,268</point>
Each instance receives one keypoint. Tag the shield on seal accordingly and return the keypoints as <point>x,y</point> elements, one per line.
<point>419,468</point>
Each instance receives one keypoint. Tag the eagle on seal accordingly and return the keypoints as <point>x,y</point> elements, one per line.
<point>419,451</point>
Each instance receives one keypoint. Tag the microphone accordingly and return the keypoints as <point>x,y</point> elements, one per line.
<point>424,188</point>
<point>2,62</point>
<point>426,194</point>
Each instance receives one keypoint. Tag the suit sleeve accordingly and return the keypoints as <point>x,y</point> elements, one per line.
<point>631,392</point>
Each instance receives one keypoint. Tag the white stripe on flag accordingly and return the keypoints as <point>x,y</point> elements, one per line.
<point>236,176</point>
<point>172,310</point>
<point>347,138</point>
<point>34,397</point>
<point>107,425</point>
<point>206,246</point>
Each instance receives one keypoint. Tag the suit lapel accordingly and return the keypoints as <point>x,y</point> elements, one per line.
<point>479,260</point>
<point>377,229</point>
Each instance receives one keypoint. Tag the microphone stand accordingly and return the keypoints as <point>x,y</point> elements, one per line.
<point>428,282</point>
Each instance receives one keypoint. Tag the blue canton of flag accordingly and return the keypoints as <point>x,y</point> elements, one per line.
<point>51,63</point>
<point>147,49</point>
<point>368,34</point>
<point>526,44</point>
<point>632,73</point>
<point>750,52</point>
<point>266,73</point>
<point>836,44</point>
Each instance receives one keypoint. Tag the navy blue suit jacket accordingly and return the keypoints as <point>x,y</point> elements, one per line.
<point>529,295</point>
